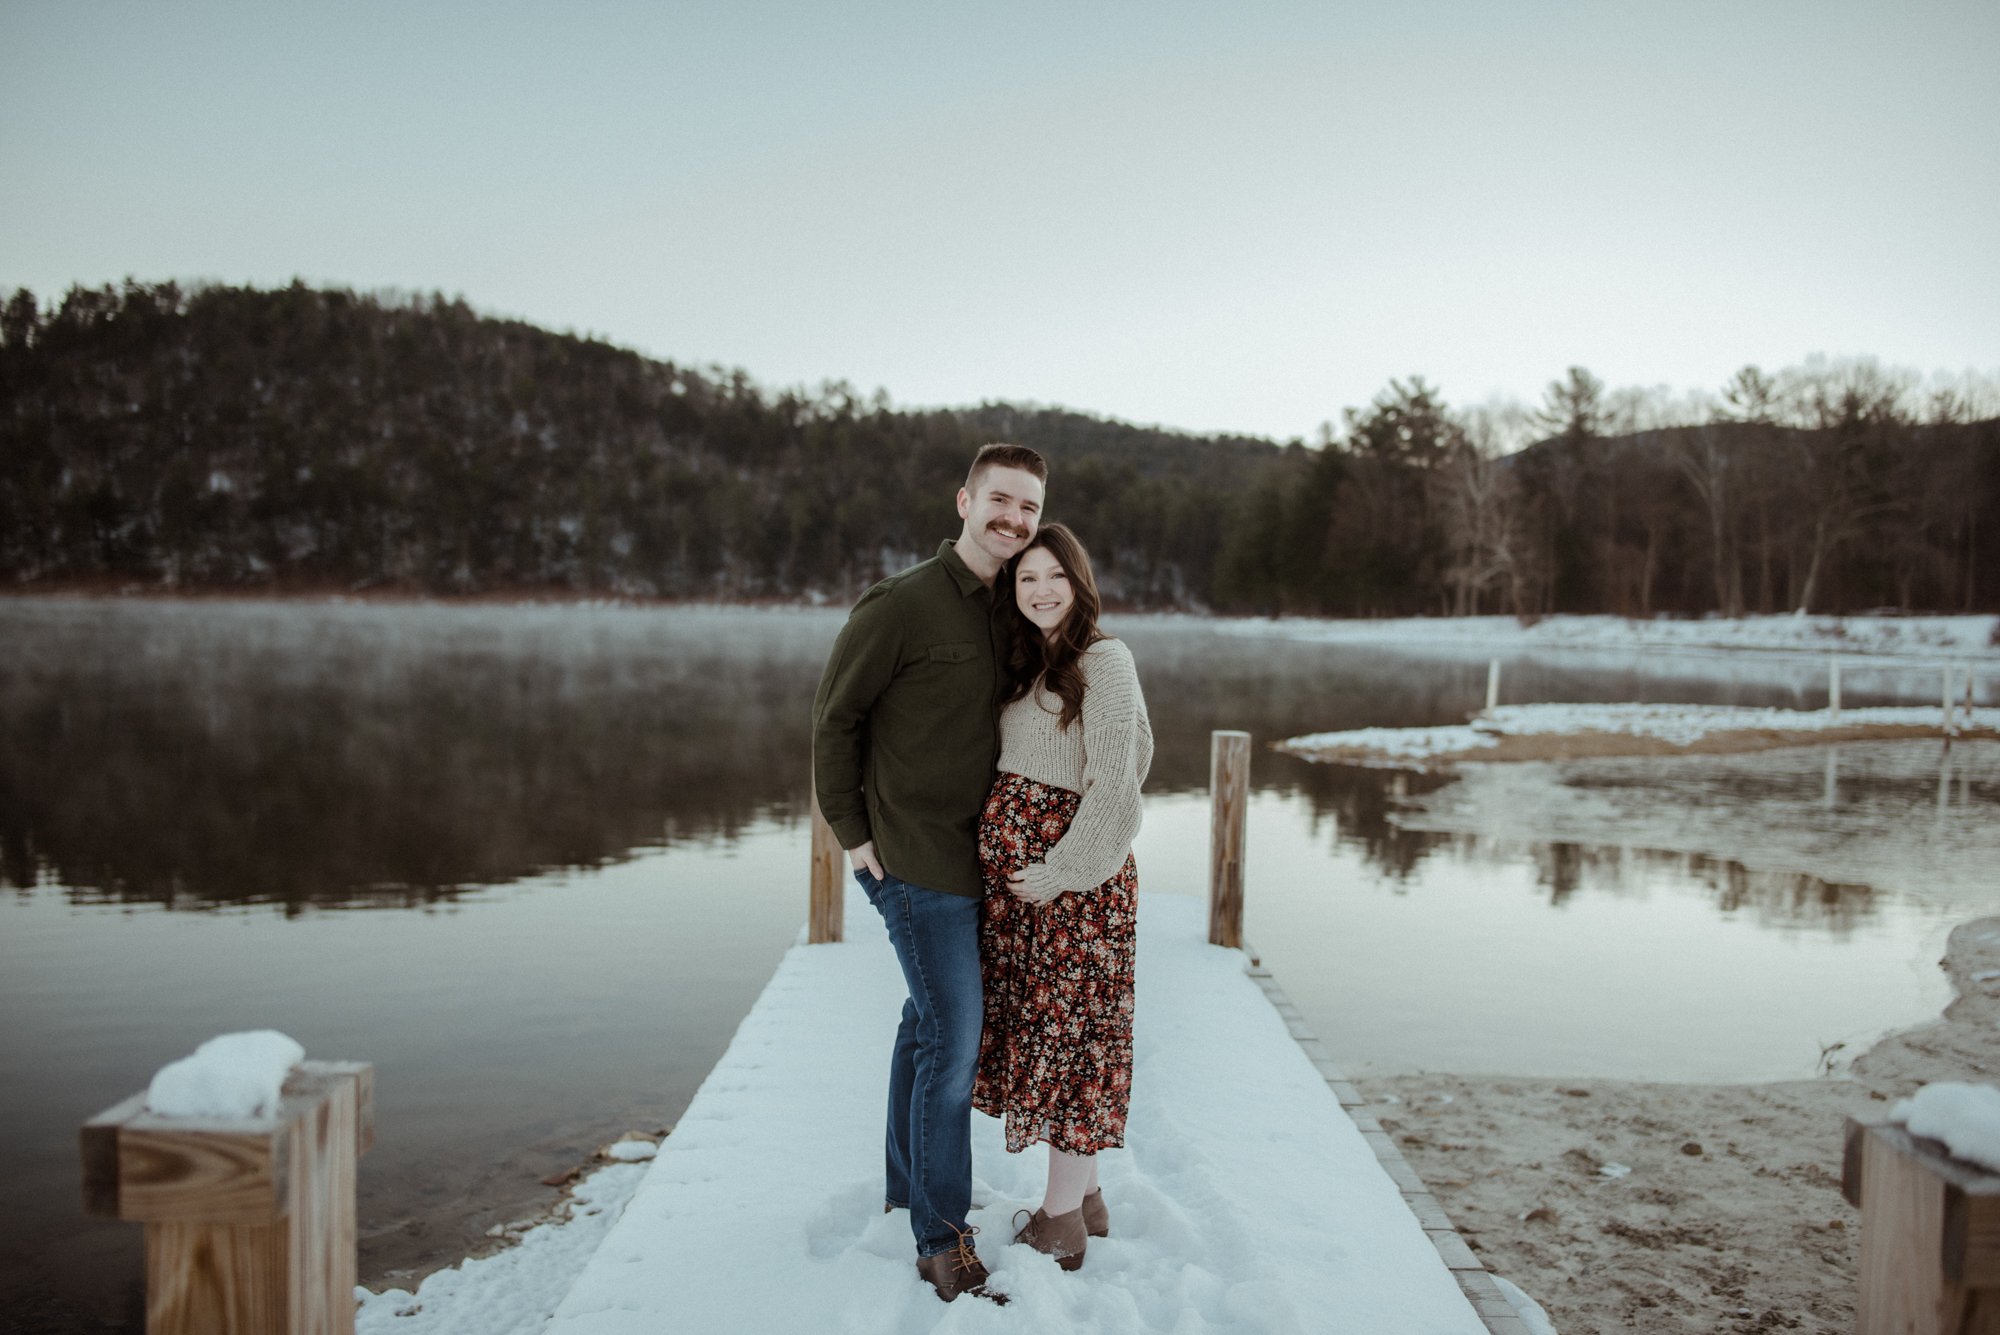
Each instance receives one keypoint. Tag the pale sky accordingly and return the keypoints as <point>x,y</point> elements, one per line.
<point>1210,216</point>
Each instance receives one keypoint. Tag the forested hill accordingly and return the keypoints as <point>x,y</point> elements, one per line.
<point>308,439</point>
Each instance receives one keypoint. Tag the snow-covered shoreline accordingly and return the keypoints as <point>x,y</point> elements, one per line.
<point>1553,731</point>
<point>512,1291</point>
<point>1928,639</point>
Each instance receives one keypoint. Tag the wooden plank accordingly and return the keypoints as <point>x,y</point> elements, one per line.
<point>164,1164</point>
<point>320,1232</point>
<point>1853,1135</point>
<point>188,1174</point>
<point>1960,1172</point>
<point>363,1076</point>
<point>1429,1212</point>
<point>1904,1287</point>
<point>215,1279</point>
<point>825,913</point>
<point>97,1145</point>
<point>1452,1249</point>
<point>1229,787</point>
<point>1969,1245</point>
<point>1901,1222</point>
<point>1971,1237</point>
<point>364,1108</point>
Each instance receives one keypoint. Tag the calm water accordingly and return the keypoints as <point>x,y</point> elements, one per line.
<point>535,863</point>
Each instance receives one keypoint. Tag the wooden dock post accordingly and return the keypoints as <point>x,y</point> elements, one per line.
<point>1229,788</point>
<point>249,1224</point>
<point>825,906</point>
<point>1833,687</point>
<point>1930,1235</point>
<point>1492,685</point>
<point>1950,723</point>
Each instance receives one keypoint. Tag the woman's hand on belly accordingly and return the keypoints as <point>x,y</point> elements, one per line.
<point>1017,886</point>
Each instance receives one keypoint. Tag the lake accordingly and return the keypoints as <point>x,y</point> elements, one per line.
<point>535,863</point>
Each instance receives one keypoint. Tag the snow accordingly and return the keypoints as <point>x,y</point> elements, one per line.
<point>1965,1117</point>
<point>512,1292</point>
<point>1929,639</point>
<point>230,1076</point>
<point>1531,1313</point>
<point>1246,1201</point>
<point>1397,743</point>
<point>632,1151</point>
<point>1681,725</point>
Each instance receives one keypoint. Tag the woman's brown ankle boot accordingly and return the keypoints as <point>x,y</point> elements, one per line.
<point>1096,1219</point>
<point>1061,1236</point>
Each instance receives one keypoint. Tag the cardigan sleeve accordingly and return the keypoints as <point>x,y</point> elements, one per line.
<point>1117,749</point>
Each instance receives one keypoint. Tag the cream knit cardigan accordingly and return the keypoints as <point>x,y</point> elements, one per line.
<point>1104,756</point>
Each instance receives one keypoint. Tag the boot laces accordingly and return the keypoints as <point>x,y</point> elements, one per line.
<point>963,1256</point>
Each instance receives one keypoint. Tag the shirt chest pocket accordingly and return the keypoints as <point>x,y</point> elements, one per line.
<point>953,651</point>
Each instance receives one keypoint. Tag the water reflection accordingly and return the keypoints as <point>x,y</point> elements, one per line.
<point>1786,899</point>
<point>194,756</point>
<point>1353,803</point>
<point>202,754</point>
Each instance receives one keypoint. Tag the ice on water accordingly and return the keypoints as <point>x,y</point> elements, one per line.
<point>1913,818</point>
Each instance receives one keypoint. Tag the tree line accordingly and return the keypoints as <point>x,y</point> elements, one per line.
<point>300,438</point>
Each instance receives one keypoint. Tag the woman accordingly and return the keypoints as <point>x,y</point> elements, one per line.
<point>1056,932</point>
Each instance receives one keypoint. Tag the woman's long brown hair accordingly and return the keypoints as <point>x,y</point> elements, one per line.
<point>1033,658</point>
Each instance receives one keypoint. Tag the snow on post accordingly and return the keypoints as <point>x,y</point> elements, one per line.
<point>231,1076</point>
<point>239,1160</point>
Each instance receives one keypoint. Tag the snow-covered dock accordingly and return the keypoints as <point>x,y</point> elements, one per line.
<point>1249,1199</point>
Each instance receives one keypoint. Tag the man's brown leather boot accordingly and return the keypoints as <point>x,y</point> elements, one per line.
<point>958,1270</point>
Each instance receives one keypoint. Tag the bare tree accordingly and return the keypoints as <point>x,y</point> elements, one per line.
<point>1849,409</point>
<point>1480,499</point>
<point>1710,457</point>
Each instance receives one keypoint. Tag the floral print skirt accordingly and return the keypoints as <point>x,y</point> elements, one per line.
<point>1055,1057</point>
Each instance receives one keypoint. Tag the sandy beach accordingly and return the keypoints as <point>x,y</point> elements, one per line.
<point>1636,1206</point>
<point>1730,1217</point>
<point>1631,1206</point>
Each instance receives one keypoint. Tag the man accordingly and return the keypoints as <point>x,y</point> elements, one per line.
<point>905,735</point>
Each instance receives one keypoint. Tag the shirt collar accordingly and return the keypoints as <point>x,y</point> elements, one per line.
<point>961,573</point>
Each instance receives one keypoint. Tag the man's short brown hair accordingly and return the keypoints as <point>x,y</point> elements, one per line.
<point>1001,454</point>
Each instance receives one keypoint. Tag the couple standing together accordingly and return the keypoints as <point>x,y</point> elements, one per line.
<point>978,747</point>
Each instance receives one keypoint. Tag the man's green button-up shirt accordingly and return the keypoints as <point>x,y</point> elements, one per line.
<point>905,724</point>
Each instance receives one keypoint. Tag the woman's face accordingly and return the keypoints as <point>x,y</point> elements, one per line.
<point>1041,589</point>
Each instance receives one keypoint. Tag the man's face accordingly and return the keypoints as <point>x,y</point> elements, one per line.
<point>1001,510</point>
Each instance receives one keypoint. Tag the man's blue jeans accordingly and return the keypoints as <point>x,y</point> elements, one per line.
<point>929,1142</point>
